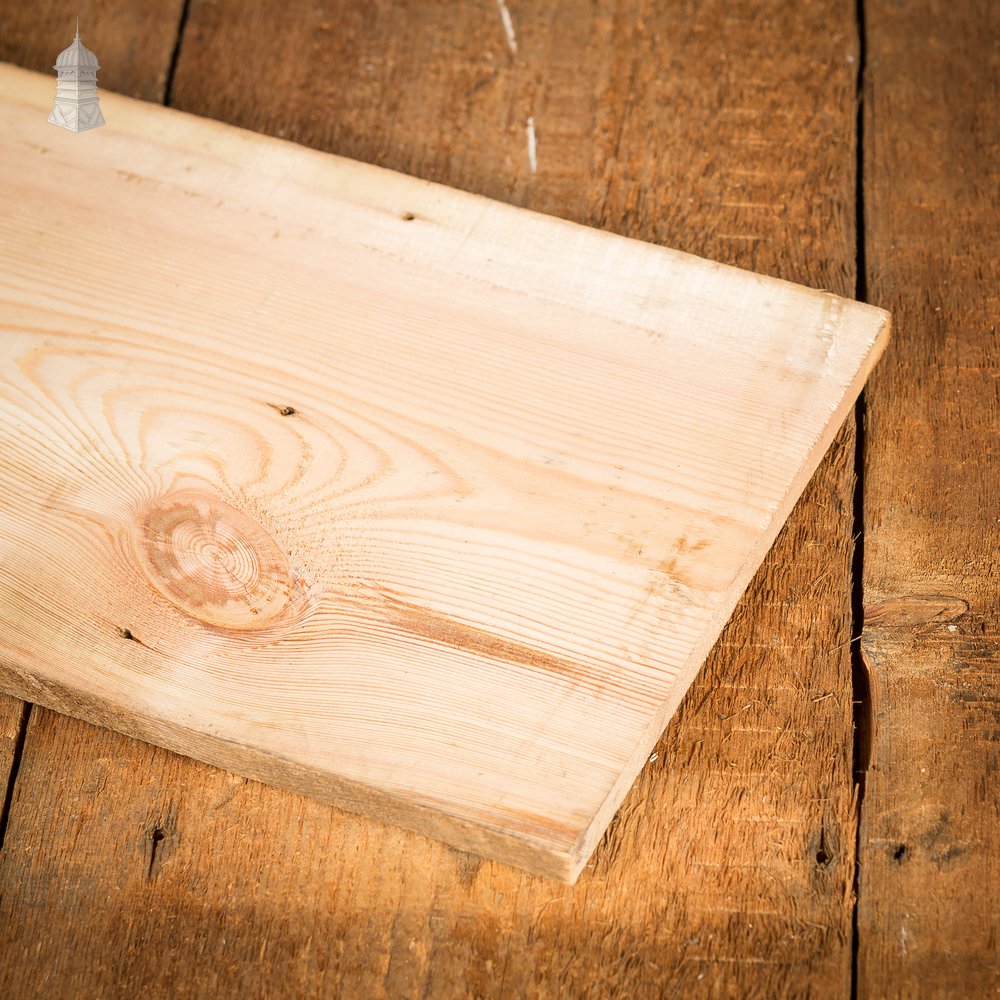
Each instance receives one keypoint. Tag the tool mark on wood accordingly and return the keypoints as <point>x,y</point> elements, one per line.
<point>508,27</point>
<point>532,145</point>
<point>156,837</point>
<point>160,838</point>
<point>237,785</point>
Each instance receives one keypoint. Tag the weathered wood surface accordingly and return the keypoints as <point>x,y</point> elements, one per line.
<point>448,484</point>
<point>928,918</point>
<point>727,131</point>
<point>135,40</point>
<point>12,720</point>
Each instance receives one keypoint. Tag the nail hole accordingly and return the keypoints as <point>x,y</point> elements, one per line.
<point>156,837</point>
<point>900,853</point>
<point>822,858</point>
<point>127,634</point>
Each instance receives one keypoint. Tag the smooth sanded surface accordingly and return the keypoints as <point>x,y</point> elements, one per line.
<point>376,488</point>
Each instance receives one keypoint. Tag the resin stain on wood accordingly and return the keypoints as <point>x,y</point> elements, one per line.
<point>393,507</point>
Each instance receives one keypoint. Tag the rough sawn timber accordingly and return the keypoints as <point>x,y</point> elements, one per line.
<point>376,489</point>
<point>928,919</point>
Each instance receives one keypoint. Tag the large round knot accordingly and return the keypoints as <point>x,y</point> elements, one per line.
<point>213,561</point>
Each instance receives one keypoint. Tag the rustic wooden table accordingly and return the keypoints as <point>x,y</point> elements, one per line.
<point>822,817</point>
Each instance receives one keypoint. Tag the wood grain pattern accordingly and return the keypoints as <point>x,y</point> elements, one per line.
<point>721,129</point>
<point>367,472</point>
<point>372,477</point>
<point>136,42</point>
<point>928,920</point>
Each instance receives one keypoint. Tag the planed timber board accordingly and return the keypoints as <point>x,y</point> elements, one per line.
<point>402,497</point>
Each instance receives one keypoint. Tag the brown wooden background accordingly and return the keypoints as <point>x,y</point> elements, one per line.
<point>765,852</point>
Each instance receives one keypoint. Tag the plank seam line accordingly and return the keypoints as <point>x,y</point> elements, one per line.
<point>168,88</point>
<point>860,682</point>
<point>15,767</point>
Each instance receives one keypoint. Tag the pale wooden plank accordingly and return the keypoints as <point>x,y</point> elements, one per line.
<point>927,915</point>
<point>31,35</point>
<point>246,914</point>
<point>369,477</point>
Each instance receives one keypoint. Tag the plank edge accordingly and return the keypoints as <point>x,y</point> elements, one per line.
<point>593,833</point>
<point>535,856</point>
